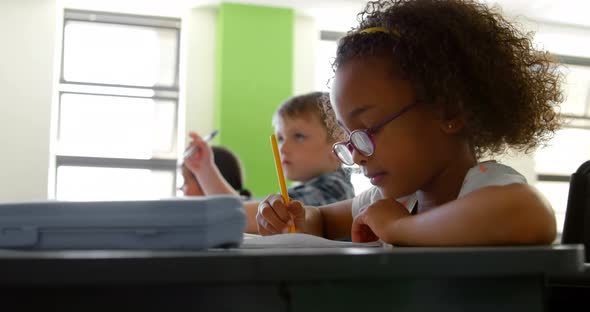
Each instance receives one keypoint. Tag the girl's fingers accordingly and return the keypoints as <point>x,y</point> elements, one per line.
<point>278,205</point>
<point>265,228</point>
<point>361,232</point>
<point>268,214</point>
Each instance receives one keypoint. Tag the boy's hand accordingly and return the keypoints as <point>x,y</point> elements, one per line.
<point>374,222</point>
<point>274,217</point>
<point>202,156</point>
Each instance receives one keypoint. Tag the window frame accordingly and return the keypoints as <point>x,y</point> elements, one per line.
<point>570,119</point>
<point>160,162</point>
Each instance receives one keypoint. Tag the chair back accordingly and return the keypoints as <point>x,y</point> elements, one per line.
<point>576,228</point>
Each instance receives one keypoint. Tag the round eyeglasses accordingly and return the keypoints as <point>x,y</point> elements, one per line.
<point>362,139</point>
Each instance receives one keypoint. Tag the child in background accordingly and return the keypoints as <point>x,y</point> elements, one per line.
<point>305,135</point>
<point>229,167</point>
<point>425,90</point>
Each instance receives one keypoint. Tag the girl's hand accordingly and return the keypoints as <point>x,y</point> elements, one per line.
<point>202,155</point>
<point>274,217</point>
<point>376,221</point>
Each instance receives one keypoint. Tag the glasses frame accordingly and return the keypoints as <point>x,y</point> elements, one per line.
<point>370,132</point>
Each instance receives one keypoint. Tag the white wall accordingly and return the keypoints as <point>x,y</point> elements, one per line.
<point>198,66</point>
<point>305,37</point>
<point>28,31</point>
<point>197,74</point>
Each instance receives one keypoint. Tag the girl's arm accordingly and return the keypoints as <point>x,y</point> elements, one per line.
<point>336,219</point>
<point>495,215</point>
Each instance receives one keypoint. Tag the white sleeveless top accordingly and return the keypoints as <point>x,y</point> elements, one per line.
<point>484,174</point>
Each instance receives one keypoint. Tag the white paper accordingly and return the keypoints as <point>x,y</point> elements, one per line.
<point>298,240</point>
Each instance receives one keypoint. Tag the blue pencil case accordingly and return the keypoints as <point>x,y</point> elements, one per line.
<point>179,223</point>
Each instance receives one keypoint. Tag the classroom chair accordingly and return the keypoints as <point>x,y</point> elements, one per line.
<point>576,229</point>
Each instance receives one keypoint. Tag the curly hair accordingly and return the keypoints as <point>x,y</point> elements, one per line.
<point>312,104</point>
<point>464,54</point>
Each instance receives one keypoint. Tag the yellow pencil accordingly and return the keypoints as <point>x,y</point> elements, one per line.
<point>284,193</point>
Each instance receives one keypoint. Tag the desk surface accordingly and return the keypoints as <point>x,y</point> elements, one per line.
<point>237,265</point>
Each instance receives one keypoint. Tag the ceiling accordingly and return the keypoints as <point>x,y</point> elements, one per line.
<point>570,12</point>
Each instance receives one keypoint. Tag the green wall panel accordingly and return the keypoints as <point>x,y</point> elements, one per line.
<point>254,69</point>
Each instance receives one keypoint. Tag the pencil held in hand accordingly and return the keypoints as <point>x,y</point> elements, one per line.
<point>193,148</point>
<point>280,175</point>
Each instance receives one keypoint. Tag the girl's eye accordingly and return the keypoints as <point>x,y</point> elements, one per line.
<point>299,137</point>
<point>280,139</point>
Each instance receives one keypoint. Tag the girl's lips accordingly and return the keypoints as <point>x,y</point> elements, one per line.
<point>376,179</point>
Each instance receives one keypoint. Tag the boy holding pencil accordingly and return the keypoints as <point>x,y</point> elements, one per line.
<point>305,135</point>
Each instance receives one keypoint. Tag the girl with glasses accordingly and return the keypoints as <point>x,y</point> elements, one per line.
<point>427,90</point>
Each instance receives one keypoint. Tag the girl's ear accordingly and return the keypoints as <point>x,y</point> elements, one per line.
<point>451,118</point>
<point>452,126</point>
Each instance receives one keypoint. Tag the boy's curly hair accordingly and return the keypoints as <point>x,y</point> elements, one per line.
<point>311,104</point>
<point>464,54</point>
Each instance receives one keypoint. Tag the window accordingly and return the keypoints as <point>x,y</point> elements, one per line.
<point>571,145</point>
<point>118,107</point>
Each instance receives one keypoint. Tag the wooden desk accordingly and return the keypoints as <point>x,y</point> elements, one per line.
<point>403,279</point>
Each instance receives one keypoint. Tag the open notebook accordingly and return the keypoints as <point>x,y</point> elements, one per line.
<point>298,240</point>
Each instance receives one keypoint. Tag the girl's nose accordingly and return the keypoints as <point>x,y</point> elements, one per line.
<point>358,158</point>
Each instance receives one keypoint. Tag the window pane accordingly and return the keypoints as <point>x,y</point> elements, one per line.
<point>111,126</point>
<point>565,152</point>
<point>556,193</point>
<point>119,54</point>
<point>95,183</point>
<point>577,90</point>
